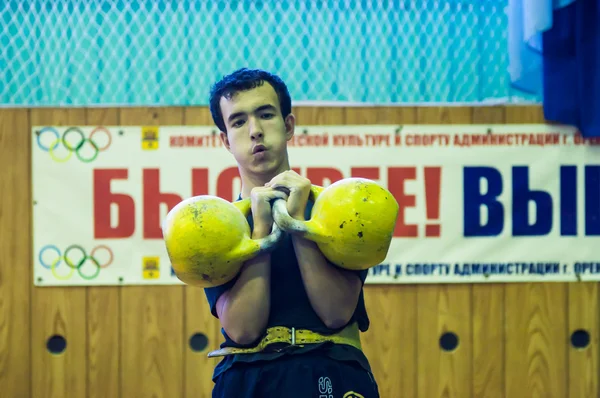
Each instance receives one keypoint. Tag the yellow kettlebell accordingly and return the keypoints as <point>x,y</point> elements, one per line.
<point>352,222</point>
<point>208,239</point>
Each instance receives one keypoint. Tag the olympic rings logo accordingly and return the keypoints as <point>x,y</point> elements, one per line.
<point>74,141</point>
<point>75,257</point>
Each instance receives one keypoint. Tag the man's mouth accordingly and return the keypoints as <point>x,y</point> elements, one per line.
<point>258,149</point>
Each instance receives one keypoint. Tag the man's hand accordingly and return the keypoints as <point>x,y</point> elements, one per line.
<point>299,190</point>
<point>261,198</point>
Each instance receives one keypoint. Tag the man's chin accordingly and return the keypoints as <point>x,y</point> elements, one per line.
<point>264,168</point>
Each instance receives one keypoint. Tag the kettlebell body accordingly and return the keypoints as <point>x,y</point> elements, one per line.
<point>208,239</point>
<point>352,221</point>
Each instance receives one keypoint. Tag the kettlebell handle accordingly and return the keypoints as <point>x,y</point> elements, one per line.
<point>287,223</point>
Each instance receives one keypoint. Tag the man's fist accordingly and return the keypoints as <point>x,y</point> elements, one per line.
<point>261,198</point>
<point>298,188</point>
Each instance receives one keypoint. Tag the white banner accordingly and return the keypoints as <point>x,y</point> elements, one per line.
<point>478,203</point>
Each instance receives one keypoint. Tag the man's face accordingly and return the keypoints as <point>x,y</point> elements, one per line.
<point>256,131</point>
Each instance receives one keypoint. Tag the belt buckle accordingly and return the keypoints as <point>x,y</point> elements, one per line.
<point>290,344</point>
<point>284,345</point>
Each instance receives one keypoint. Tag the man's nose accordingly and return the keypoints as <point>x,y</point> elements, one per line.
<point>256,130</point>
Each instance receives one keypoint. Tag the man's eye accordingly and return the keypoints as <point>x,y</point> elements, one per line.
<point>238,123</point>
<point>267,115</point>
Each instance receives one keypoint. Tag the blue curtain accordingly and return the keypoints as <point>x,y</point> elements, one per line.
<point>554,52</point>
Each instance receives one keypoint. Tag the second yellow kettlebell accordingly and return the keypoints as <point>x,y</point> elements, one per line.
<point>352,222</point>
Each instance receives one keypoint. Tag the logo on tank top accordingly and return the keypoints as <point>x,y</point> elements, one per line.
<point>325,388</point>
<point>352,394</point>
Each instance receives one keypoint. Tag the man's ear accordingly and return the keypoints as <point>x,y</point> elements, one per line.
<point>225,140</point>
<point>290,126</point>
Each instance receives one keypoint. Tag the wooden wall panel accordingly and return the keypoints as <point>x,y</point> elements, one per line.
<point>489,365</point>
<point>104,311</point>
<point>390,344</point>
<point>536,323</point>
<point>15,254</point>
<point>306,116</point>
<point>58,311</point>
<point>514,339</point>
<point>444,309</point>
<point>583,362</point>
<point>152,339</point>
<point>536,340</point>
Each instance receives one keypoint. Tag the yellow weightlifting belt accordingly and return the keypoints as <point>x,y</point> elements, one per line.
<point>291,337</point>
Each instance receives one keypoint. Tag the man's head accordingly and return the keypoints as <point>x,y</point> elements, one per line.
<point>252,109</point>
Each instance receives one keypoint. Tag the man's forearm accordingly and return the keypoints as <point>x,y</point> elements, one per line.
<point>333,292</point>
<point>244,309</point>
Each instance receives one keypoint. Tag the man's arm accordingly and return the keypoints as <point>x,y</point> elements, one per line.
<point>333,292</point>
<point>244,308</point>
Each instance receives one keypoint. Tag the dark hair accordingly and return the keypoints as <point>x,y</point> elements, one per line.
<point>246,79</point>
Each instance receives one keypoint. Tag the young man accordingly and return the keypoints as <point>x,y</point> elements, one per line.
<point>292,297</point>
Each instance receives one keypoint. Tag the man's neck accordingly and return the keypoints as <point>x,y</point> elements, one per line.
<point>249,181</point>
